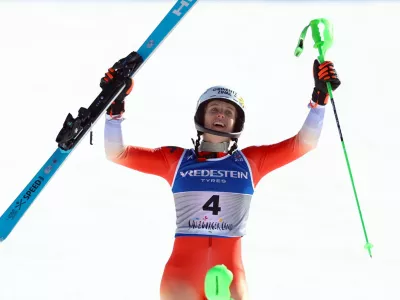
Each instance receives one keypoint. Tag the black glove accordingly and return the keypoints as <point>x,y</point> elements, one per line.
<point>121,72</point>
<point>323,73</point>
<point>117,107</point>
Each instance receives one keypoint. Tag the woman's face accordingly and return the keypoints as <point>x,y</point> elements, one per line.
<point>220,116</point>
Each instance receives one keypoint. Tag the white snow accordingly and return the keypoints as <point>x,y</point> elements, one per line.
<point>101,231</point>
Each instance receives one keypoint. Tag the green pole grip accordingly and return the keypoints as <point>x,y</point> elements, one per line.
<point>322,44</point>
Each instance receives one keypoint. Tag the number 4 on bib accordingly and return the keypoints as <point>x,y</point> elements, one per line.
<point>212,205</point>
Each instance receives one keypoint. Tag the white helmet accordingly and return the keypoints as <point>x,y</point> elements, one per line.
<point>225,94</point>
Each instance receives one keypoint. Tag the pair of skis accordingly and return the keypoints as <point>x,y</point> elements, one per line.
<point>75,129</point>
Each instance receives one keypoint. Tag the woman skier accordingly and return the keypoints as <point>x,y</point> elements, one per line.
<point>213,183</point>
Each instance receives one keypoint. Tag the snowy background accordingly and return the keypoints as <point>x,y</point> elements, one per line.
<point>101,231</point>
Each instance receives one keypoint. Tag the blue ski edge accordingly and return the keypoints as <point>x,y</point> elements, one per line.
<point>24,200</point>
<point>20,205</point>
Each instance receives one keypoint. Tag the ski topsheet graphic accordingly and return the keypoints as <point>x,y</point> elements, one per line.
<point>74,129</point>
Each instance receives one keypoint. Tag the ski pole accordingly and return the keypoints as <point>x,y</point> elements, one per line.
<point>323,46</point>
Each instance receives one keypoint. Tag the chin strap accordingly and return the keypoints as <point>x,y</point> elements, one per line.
<point>214,147</point>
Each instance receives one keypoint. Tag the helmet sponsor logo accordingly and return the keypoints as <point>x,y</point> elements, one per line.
<point>225,91</point>
<point>229,94</point>
<point>241,101</point>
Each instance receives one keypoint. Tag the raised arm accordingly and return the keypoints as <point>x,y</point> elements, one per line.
<point>160,161</point>
<point>264,159</point>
